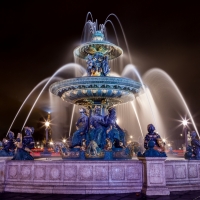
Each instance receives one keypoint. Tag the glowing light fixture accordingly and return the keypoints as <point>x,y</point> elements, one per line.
<point>64,140</point>
<point>185,122</point>
<point>164,140</point>
<point>47,124</point>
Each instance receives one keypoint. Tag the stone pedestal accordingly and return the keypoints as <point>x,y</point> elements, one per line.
<point>2,174</point>
<point>154,181</point>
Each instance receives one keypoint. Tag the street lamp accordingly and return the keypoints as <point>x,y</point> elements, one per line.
<point>185,123</point>
<point>64,140</point>
<point>164,140</point>
<point>45,151</point>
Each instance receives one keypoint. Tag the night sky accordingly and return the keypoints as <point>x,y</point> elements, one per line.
<point>38,37</point>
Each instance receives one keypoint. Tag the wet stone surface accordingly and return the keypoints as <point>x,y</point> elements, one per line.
<point>187,195</point>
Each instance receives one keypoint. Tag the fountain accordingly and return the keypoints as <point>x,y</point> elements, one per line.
<point>98,159</point>
<point>99,93</point>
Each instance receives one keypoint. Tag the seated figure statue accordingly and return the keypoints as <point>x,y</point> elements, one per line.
<point>97,129</point>
<point>82,128</point>
<point>153,144</point>
<point>8,145</point>
<point>28,140</point>
<point>193,151</point>
<point>22,152</point>
<point>114,132</point>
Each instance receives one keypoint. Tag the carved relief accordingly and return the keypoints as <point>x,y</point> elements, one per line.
<point>25,172</point>
<point>12,172</point>
<point>192,171</point>
<point>180,171</point>
<point>156,173</point>
<point>101,173</point>
<point>133,172</point>
<point>169,172</point>
<point>55,173</point>
<point>86,173</point>
<point>70,172</point>
<point>40,173</point>
<point>117,173</point>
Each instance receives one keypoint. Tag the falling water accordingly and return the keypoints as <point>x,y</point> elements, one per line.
<point>68,66</point>
<point>129,68</point>
<point>137,119</point>
<point>70,127</point>
<point>38,85</point>
<point>160,82</point>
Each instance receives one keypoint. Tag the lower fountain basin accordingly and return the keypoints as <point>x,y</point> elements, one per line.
<point>87,90</point>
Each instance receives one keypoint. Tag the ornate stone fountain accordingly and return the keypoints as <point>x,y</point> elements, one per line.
<point>98,93</point>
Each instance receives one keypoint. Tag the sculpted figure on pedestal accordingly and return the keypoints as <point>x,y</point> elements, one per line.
<point>193,151</point>
<point>8,145</point>
<point>153,144</point>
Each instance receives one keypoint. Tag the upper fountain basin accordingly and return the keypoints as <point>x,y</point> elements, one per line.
<point>104,47</point>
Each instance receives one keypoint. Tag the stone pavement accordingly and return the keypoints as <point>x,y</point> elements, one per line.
<point>187,195</point>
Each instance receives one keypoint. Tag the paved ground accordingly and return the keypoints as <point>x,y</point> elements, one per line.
<point>188,195</point>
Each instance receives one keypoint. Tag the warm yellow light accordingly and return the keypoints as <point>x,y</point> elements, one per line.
<point>131,136</point>
<point>64,140</point>
<point>181,134</point>
<point>164,140</point>
<point>184,122</point>
<point>117,121</point>
<point>168,145</point>
<point>47,124</point>
<point>51,143</point>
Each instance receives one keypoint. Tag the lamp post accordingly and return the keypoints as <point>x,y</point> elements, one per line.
<point>185,129</point>
<point>46,152</point>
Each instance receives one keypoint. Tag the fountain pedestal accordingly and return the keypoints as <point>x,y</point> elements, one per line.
<point>154,180</point>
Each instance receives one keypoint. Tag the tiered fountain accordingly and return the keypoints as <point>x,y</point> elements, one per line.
<point>99,93</point>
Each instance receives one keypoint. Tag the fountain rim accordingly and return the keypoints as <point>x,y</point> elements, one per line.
<point>96,43</point>
<point>95,77</point>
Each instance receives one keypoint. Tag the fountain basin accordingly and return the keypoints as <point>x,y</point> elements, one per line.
<point>85,91</point>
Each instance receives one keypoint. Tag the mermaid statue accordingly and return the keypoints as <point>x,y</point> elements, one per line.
<point>113,130</point>
<point>8,145</point>
<point>97,129</point>
<point>82,128</point>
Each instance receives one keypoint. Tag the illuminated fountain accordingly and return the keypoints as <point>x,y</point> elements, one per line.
<point>99,93</point>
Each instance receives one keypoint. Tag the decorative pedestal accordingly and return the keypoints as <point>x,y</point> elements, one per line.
<point>154,181</point>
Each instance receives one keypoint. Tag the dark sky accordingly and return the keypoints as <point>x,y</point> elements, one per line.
<point>37,37</point>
